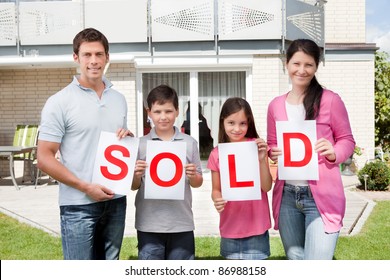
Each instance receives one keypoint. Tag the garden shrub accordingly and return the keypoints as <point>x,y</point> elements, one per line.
<point>378,175</point>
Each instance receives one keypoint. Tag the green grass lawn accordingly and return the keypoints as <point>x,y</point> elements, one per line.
<point>21,242</point>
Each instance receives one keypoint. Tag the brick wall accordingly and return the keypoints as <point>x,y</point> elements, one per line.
<point>354,82</point>
<point>24,92</point>
<point>123,78</point>
<point>268,82</point>
<point>345,21</point>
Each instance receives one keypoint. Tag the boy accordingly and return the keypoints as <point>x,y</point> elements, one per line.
<point>165,228</point>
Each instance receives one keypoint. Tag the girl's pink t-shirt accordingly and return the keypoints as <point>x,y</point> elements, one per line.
<point>241,219</point>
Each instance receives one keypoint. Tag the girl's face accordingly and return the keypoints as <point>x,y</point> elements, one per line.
<point>301,69</point>
<point>236,126</point>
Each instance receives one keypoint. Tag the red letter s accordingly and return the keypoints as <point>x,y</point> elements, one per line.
<point>110,158</point>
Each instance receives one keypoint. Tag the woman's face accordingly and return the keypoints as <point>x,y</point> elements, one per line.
<point>301,69</point>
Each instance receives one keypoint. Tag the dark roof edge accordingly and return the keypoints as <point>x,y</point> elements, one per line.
<point>351,46</point>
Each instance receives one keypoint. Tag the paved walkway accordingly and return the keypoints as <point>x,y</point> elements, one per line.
<point>39,207</point>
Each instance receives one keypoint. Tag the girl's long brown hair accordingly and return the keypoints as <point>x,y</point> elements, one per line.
<point>233,105</point>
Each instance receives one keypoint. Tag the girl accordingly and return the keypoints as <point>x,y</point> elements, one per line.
<point>243,224</point>
<point>309,214</point>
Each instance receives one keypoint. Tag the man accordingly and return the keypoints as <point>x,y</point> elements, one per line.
<point>92,216</point>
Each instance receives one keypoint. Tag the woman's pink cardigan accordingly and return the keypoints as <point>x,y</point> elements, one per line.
<point>332,124</point>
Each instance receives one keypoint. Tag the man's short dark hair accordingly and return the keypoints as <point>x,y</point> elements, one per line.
<point>89,35</point>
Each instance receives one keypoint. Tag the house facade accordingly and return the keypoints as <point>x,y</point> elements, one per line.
<point>208,51</point>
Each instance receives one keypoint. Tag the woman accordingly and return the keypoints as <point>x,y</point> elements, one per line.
<point>309,213</point>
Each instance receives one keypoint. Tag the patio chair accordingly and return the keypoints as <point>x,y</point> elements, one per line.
<point>38,172</point>
<point>26,136</point>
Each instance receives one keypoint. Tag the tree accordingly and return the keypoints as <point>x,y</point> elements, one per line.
<point>382,100</point>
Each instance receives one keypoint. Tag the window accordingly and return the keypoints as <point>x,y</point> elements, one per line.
<point>213,88</point>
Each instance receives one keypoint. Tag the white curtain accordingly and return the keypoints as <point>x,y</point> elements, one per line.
<point>214,89</point>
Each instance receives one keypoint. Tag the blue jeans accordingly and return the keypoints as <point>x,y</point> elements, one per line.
<point>301,228</point>
<point>93,231</point>
<point>255,247</point>
<point>166,246</point>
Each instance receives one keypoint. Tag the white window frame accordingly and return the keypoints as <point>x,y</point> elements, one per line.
<point>163,65</point>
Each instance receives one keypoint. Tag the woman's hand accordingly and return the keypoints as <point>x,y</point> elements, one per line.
<point>275,153</point>
<point>325,148</point>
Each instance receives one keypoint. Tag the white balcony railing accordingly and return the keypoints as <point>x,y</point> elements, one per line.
<point>146,21</point>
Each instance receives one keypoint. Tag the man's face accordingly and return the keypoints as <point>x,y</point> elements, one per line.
<point>92,60</point>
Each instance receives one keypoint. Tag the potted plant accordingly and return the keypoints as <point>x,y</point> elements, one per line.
<point>347,163</point>
<point>357,151</point>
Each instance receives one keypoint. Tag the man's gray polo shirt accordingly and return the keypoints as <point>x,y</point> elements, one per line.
<point>74,117</point>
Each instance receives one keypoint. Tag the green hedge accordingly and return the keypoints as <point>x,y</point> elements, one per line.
<point>378,175</point>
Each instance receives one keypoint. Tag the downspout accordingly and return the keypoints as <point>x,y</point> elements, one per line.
<point>216,31</point>
<point>283,26</point>
<point>83,13</point>
<point>149,21</point>
<point>18,51</point>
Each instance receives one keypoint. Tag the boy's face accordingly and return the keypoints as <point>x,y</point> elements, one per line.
<point>163,116</point>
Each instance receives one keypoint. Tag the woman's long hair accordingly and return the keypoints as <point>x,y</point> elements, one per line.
<point>313,92</point>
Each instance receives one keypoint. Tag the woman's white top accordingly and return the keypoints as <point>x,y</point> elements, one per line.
<point>296,113</point>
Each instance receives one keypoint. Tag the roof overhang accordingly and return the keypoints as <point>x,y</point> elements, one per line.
<point>53,61</point>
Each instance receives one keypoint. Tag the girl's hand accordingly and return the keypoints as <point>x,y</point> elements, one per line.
<point>122,133</point>
<point>140,167</point>
<point>275,153</point>
<point>262,148</point>
<point>325,148</point>
<point>219,204</point>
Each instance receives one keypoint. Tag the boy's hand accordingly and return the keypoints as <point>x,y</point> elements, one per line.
<point>140,167</point>
<point>190,170</point>
<point>195,178</point>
